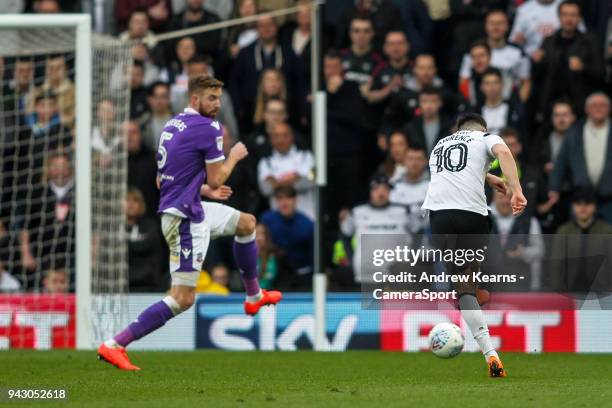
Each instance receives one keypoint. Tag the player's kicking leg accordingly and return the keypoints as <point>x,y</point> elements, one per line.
<point>227,221</point>
<point>467,231</point>
<point>474,318</point>
<point>188,243</point>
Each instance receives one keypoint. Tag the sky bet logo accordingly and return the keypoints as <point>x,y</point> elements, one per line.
<point>221,323</point>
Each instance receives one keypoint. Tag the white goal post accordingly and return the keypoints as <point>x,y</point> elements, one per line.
<point>81,23</point>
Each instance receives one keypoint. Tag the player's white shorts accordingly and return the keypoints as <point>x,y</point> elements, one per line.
<point>221,219</point>
<point>188,242</point>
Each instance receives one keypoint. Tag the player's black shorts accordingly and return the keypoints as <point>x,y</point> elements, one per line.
<point>459,230</point>
<point>459,222</point>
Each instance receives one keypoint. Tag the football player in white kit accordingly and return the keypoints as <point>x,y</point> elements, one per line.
<point>458,211</point>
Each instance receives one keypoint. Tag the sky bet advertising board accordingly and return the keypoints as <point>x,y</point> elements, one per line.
<point>528,323</point>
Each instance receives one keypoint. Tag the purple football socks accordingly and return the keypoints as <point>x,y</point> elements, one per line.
<point>151,319</point>
<point>245,254</point>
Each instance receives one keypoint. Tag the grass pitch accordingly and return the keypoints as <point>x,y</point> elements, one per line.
<point>307,379</point>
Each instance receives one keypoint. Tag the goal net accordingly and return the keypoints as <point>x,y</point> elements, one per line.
<point>49,178</point>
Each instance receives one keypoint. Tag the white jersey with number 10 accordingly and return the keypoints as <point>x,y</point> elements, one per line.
<point>458,166</point>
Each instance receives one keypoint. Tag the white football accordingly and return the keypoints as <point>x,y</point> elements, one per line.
<point>446,340</point>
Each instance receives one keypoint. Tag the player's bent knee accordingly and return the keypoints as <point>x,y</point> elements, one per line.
<point>185,300</point>
<point>246,225</point>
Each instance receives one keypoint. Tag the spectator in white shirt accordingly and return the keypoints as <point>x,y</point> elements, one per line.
<point>534,21</point>
<point>496,110</point>
<point>287,166</point>
<point>411,189</point>
<point>508,58</point>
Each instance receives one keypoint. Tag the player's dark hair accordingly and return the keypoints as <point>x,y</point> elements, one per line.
<point>470,117</point>
<point>493,71</point>
<point>431,90</point>
<point>151,88</point>
<point>285,191</point>
<point>200,83</point>
<point>569,3</point>
<point>481,43</point>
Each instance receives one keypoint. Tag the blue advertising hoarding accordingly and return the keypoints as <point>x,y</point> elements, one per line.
<point>221,323</point>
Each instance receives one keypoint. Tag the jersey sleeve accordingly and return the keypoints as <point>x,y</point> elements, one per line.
<point>212,142</point>
<point>491,140</point>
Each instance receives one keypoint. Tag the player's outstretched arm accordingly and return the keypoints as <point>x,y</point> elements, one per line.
<point>218,172</point>
<point>508,166</point>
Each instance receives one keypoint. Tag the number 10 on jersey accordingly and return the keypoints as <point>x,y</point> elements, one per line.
<point>452,158</point>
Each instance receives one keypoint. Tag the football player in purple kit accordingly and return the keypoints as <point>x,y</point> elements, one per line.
<point>190,152</point>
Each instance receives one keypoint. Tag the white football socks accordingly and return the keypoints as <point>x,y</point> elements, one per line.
<point>111,343</point>
<point>255,298</point>
<point>473,316</point>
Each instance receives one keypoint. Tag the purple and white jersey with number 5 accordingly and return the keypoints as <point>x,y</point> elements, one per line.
<point>188,141</point>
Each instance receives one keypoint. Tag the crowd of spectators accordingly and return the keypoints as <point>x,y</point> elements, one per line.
<point>396,73</point>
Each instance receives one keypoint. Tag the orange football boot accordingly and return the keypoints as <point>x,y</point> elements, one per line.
<point>117,357</point>
<point>496,368</point>
<point>271,297</point>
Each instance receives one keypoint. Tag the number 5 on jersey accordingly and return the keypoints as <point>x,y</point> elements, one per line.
<point>162,150</point>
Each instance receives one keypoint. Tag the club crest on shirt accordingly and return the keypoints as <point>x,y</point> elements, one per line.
<point>186,252</point>
<point>219,142</point>
<point>199,258</point>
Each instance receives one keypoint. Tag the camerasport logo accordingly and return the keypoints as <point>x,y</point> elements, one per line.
<point>40,322</point>
<point>530,323</point>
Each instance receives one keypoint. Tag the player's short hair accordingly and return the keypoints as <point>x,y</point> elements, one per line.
<point>481,43</point>
<point>569,3</point>
<point>431,90</point>
<point>470,118</point>
<point>493,71</point>
<point>285,191</point>
<point>200,83</point>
